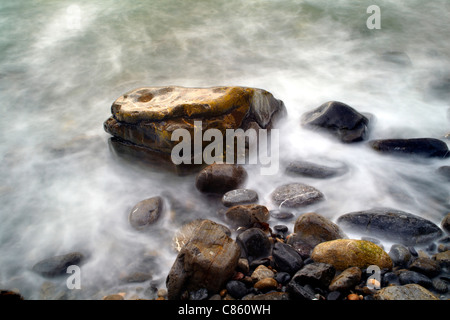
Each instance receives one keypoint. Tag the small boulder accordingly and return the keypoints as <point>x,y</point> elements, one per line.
<point>145,213</point>
<point>445,224</point>
<point>239,196</point>
<point>345,253</point>
<point>346,280</point>
<point>286,258</point>
<point>208,260</point>
<point>254,243</point>
<point>339,119</point>
<point>390,224</point>
<point>422,147</point>
<point>246,215</point>
<point>312,170</point>
<point>220,178</point>
<point>296,195</point>
<point>313,229</point>
<point>55,266</point>
<point>316,274</point>
<point>405,292</point>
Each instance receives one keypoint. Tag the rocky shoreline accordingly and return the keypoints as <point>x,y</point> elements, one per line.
<point>246,252</point>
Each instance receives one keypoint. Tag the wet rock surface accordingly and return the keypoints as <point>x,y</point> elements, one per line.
<point>421,147</point>
<point>148,116</point>
<point>391,224</point>
<point>220,178</point>
<point>339,119</point>
<point>57,265</point>
<point>296,195</point>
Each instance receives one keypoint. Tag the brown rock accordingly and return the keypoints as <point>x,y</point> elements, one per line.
<point>207,261</point>
<point>345,253</point>
<point>220,178</point>
<point>247,215</point>
<point>406,292</point>
<point>266,284</point>
<point>313,229</point>
<point>148,116</point>
<point>445,224</point>
<point>347,279</point>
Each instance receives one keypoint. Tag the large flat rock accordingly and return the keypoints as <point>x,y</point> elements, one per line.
<point>148,116</point>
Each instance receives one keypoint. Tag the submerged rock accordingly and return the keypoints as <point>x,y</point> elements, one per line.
<point>145,213</point>
<point>312,170</point>
<point>239,196</point>
<point>207,260</point>
<point>423,147</point>
<point>55,266</point>
<point>220,178</point>
<point>296,195</point>
<point>148,116</point>
<point>345,253</point>
<point>391,224</point>
<point>341,120</point>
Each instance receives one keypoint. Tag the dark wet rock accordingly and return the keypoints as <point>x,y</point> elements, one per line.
<point>345,253</point>
<point>390,224</point>
<point>281,214</point>
<point>390,278</point>
<point>236,289</point>
<point>8,295</point>
<point>145,213</point>
<point>405,292</point>
<point>423,147</point>
<point>400,255</point>
<point>316,274</point>
<point>299,292</point>
<point>207,260</point>
<point>312,170</point>
<point>445,224</point>
<point>408,277</point>
<point>286,258</point>
<point>346,280</point>
<point>246,215</point>
<point>58,265</point>
<point>444,172</point>
<point>239,196</point>
<point>255,244</point>
<point>296,195</point>
<point>398,58</point>
<point>341,120</point>
<point>313,229</point>
<point>282,277</point>
<point>425,266</point>
<point>300,245</point>
<point>280,231</point>
<point>220,178</point>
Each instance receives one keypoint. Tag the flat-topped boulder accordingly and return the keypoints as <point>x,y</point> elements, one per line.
<point>147,116</point>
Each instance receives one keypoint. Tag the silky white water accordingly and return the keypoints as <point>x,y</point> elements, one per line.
<point>63,63</point>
